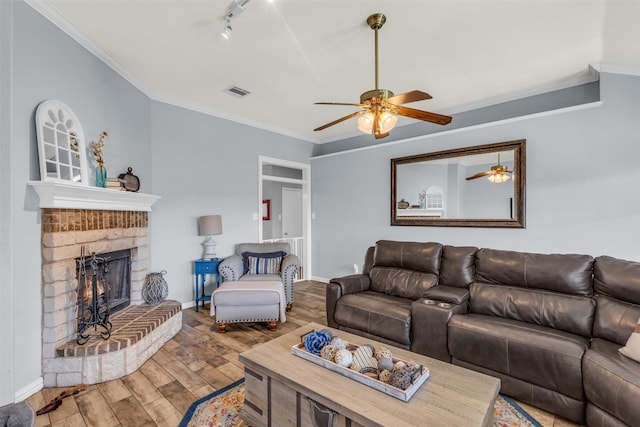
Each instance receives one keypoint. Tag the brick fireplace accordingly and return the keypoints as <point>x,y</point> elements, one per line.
<point>139,330</point>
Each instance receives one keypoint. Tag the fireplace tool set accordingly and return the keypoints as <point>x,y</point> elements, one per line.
<point>93,301</point>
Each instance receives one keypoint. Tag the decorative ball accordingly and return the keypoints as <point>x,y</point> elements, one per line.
<point>370,372</point>
<point>399,365</point>
<point>384,376</point>
<point>328,352</point>
<point>315,340</point>
<point>411,366</point>
<point>369,346</point>
<point>361,354</point>
<point>400,379</point>
<point>327,332</point>
<point>356,366</point>
<point>338,343</point>
<point>385,364</point>
<point>343,358</point>
<point>382,352</point>
<point>155,288</point>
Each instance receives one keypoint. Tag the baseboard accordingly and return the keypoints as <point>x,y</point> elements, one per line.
<point>188,304</point>
<point>320,279</point>
<point>29,389</point>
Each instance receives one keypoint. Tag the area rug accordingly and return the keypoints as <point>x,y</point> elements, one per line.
<point>221,409</point>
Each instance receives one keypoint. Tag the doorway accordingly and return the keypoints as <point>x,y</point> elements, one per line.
<point>285,187</point>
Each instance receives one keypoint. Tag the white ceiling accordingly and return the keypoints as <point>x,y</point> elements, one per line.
<point>292,53</point>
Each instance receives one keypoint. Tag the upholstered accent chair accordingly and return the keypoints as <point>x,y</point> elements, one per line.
<point>262,261</point>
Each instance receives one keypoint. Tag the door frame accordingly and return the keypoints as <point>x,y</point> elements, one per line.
<point>306,201</point>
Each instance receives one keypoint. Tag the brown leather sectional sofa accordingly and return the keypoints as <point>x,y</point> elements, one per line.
<point>549,326</point>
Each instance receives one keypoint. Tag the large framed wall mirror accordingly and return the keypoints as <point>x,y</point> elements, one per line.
<point>481,186</point>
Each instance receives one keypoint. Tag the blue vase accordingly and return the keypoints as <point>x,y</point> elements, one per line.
<point>101,177</point>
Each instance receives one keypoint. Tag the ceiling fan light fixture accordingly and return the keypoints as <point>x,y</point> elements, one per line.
<point>365,123</point>
<point>386,122</point>
<point>499,178</point>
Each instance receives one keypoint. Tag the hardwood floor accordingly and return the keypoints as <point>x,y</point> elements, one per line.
<point>196,362</point>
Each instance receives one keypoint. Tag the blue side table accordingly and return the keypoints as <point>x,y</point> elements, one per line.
<point>203,267</point>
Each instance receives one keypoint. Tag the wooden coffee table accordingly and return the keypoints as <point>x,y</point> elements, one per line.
<point>278,385</point>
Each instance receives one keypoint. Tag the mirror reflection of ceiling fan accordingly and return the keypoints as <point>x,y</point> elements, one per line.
<point>497,174</point>
<point>380,106</point>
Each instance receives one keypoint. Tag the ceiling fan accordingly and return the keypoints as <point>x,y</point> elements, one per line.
<point>497,174</point>
<point>380,106</point>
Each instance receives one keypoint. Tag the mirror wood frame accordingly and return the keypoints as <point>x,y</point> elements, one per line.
<point>519,181</point>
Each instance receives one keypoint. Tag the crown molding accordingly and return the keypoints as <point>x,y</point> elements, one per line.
<point>627,69</point>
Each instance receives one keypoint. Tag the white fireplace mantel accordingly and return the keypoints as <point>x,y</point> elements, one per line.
<point>63,195</point>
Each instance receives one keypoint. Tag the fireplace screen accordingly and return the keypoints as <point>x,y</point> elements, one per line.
<point>104,283</point>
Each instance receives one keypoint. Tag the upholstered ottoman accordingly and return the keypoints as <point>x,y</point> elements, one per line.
<point>249,301</point>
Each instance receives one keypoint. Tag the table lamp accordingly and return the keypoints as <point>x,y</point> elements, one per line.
<point>209,225</point>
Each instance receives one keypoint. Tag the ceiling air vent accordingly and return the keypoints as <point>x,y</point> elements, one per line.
<point>236,91</point>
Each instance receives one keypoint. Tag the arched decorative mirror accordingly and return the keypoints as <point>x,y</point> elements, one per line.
<point>61,145</point>
<point>481,186</point>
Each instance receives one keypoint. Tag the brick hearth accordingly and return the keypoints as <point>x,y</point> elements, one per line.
<point>138,331</point>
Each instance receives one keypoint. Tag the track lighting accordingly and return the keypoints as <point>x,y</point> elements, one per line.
<point>235,8</point>
<point>226,30</point>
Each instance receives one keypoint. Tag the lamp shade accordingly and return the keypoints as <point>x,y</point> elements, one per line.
<point>209,225</point>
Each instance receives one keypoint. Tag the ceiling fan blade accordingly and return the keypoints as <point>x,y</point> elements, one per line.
<point>425,116</point>
<point>407,97</point>
<point>479,175</point>
<point>341,119</point>
<point>381,135</point>
<point>338,103</point>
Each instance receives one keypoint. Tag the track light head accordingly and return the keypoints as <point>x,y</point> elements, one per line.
<point>226,30</point>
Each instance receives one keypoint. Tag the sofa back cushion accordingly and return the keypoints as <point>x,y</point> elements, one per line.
<point>565,312</point>
<point>458,266</point>
<point>547,290</point>
<point>617,285</point>
<point>569,274</point>
<point>423,257</point>
<point>400,282</point>
<point>405,269</point>
<point>615,320</point>
<point>617,278</point>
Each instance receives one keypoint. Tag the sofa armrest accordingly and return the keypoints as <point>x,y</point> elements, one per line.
<point>231,268</point>
<point>341,286</point>
<point>429,332</point>
<point>288,271</point>
<point>449,294</point>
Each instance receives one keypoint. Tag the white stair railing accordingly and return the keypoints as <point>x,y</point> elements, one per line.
<point>297,248</point>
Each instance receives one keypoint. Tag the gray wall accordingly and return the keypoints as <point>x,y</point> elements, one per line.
<point>203,165</point>
<point>582,186</point>
<point>41,62</point>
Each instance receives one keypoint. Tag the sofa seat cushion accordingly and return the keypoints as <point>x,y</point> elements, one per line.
<point>546,357</point>
<point>378,314</point>
<point>612,381</point>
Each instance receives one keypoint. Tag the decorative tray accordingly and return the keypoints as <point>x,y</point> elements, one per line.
<point>404,395</point>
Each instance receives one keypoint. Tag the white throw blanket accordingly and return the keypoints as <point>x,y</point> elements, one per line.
<point>253,286</point>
